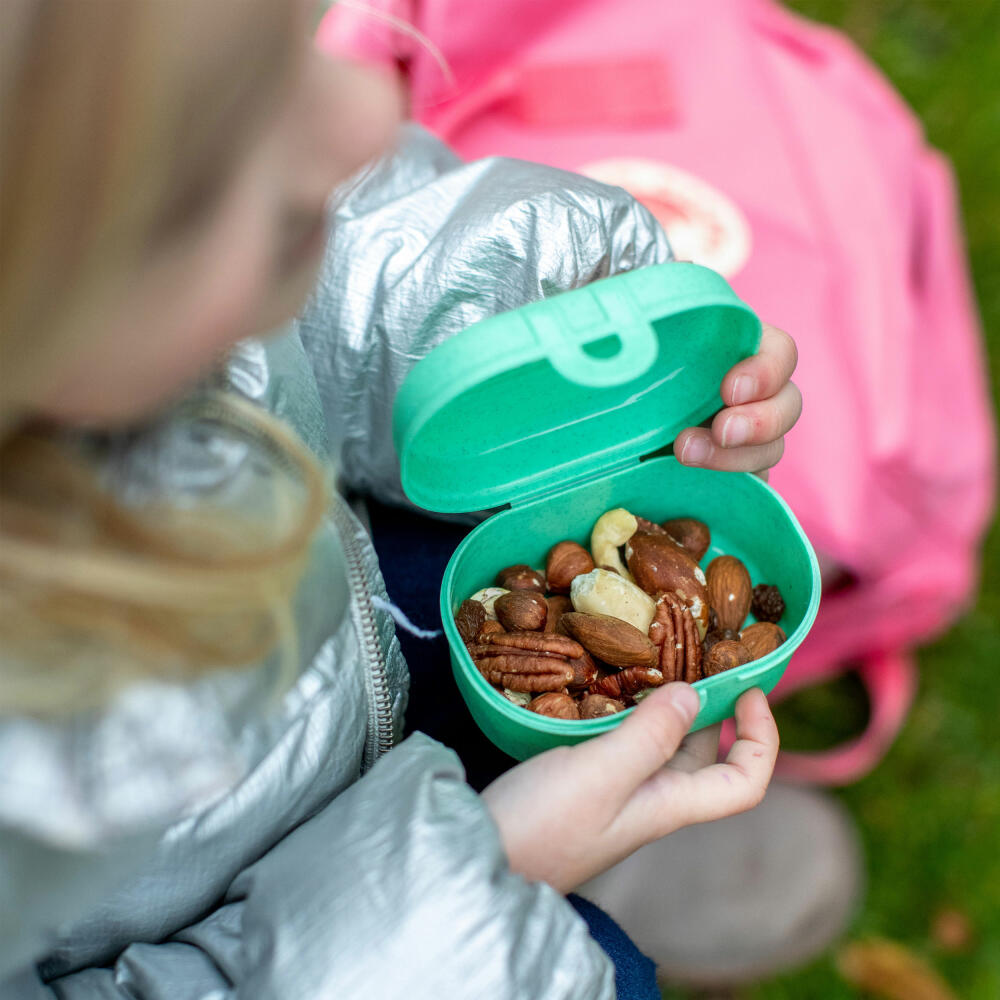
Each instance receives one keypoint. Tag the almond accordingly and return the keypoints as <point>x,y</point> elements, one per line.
<point>762,638</point>
<point>729,591</point>
<point>612,640</point>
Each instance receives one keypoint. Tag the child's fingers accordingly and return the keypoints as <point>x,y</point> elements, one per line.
<point>669,800</point>
<point>644,742</point>
<point>739,783</point>
<point>695,446</point>
<point>697,750</point>
<point>761,376</point>
<point>761,422</point>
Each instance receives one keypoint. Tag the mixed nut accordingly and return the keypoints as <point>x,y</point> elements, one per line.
<point>598,630</point>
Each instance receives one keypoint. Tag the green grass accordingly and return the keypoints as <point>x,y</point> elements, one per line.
<point>930,813</point>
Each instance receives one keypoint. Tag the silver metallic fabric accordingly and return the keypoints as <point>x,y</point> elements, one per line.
<point>228,839</point>
<point>423,246</point>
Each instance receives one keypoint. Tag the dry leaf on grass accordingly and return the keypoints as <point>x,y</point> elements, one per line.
<point>952,930</point>
<point>891,972</point>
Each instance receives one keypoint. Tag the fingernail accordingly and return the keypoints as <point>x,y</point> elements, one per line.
<point>744,389</point>
<point>735,431</point>
<point>685,700</point>
<point>696,450</point>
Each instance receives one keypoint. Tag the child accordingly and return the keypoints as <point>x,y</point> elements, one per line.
<point>194,674</point>
<point>834,216</point>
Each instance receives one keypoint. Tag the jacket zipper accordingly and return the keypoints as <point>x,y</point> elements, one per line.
<point>380,739</point>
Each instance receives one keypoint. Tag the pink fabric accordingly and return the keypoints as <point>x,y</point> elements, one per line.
<point>853,247</point>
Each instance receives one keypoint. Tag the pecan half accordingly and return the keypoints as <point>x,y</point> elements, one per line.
<point>526,661</point>
<point>628,682</point>
<point>674,631</point>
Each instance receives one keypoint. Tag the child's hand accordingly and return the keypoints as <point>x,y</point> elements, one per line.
<point>762,406</point>
<point>571,813</point>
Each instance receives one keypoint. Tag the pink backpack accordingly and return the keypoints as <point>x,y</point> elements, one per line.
<point>773,152</point>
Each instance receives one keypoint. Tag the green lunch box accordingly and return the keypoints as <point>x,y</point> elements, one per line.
<point>566,408</point>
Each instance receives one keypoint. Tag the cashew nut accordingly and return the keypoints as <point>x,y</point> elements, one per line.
<point>522,698</point>
<point>644,693</point>
<point>487,597</point>
<point>613,529</point>
<point>602,592</point>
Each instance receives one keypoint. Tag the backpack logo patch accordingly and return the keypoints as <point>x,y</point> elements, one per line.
<point>703,224</point>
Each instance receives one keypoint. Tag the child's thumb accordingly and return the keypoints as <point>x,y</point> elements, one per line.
<point>647,739</point>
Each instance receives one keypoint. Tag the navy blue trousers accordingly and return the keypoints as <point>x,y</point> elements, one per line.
<point>413,552</point>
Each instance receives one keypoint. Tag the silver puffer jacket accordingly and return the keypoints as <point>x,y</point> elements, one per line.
<point>222,839</point>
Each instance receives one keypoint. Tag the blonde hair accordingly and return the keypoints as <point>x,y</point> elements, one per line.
<point>109,141</point>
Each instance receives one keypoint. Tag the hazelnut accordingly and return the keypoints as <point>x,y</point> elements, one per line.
<point>762,638</point>
<point>566,560</point>
<point>555,705</point>
<point>489,627</point>
<point>596,706</point>
<point>724,655</point>
<point>521,611</point>
<point>521,577</point>
<point>693,536</point>
<point>718,635</point>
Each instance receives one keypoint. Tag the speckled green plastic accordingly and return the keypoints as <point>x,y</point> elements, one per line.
<point>553,409</point>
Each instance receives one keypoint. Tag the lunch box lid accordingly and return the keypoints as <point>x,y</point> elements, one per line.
<point>570,388</point>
